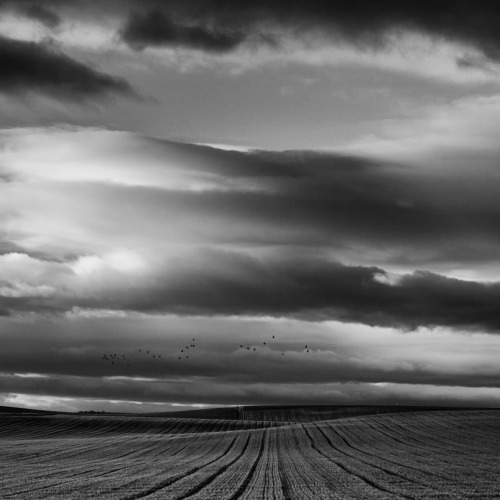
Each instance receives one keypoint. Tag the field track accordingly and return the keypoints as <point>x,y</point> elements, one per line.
<point>417,455</point>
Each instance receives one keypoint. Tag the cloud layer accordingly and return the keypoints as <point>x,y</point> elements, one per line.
<point>346,363</point>
<point>360,22</point>
<point>112,242</point>
<point>210,283</point>
<point>220,26</point>
<point>208,232</point>
<point>382,255</point>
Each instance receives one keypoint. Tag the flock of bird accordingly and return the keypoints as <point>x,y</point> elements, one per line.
<point>253,348</point>
<point>181,354</point>
<point>115,358</point>
<point>192,346</point>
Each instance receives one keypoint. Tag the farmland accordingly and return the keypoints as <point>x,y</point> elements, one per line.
<point>403,454</point>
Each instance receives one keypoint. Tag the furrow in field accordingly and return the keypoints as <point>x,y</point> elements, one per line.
<point>419,443</point>
<point>265,482</point>
<point>42,487</point>
<point>404,434</point>
<point>230,483</point>
<point>196,450</point>
<point>302,475</point>
<point>190,472</point>
<point>202,478</point>
<point>39,427</point>
<point>149,450</point>
<point>95,485</point>
<point>338,470</point>
<point>385,460</point>
<point>449,473</point>
<point>426,441</point>
<point>433,425</point>
<point>371,457</point>
<point>411,460</point>
<point>459,437</point>
<point>380,480</point>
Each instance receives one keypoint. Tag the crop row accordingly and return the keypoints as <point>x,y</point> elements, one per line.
<point>323,412</point>
<point>34,427</point>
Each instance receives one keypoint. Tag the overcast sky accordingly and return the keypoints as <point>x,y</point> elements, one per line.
<point>265,174</point>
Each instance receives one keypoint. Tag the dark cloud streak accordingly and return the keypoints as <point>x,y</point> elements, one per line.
<point>154,28</point>
<point>220,26</point>
<point>320,290</point>
<point>207,391</point>
<point>40,68</point>
<point>360,22</point>
<point>221,283</point>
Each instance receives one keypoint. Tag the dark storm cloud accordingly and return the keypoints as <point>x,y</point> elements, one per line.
<point>360,22</point>
<point>230,284</point>
<point>215,283</point>
<point>29,66</point>
<point>157,29</point>
<point>221,25</point>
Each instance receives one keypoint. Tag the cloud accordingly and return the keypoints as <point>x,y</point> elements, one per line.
<point>42,14</point>
<point>228,284</point>
<point>40,68</point>
<point>203,231</point>
<point>365,24</point>
<point>63,357</point>
<point>329,205</point>
<point>220,26</point>
<point>211,392</point>
<point>212,283</point>
<point>155,28</point>
<point>452,136</point>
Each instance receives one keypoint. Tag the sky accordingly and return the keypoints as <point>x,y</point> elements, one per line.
<point>307,192</point>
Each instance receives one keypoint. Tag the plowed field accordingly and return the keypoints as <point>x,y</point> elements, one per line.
<point>420,455</point>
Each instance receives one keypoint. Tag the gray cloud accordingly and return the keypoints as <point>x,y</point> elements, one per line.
<point>289,219</point>
<point>231,393</point>
<point>222,362</point>
<point>40,68</point>
<point>62,357</point>
<point>341,203</point>
<point>215,283</point>
<point>360,22</point>
<point>414,216</point>
<point>154,28</point>
<point>42,14</point>
<point>294,225</point>
<point>221,26</point>
<point>229,284</point>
